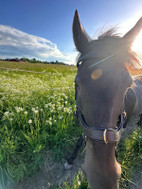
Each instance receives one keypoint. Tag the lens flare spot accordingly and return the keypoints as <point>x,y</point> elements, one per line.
<point>96,74</point>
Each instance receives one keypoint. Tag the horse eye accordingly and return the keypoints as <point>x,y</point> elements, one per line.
<point>79,64</point>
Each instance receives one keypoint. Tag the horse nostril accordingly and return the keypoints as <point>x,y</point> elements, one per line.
<point>118,121</point>
<point>122,119</point>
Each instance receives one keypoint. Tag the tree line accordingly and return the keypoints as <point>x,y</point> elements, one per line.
<point>33,60</point>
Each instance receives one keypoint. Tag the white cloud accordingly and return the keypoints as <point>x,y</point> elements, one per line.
<point>15,43</point>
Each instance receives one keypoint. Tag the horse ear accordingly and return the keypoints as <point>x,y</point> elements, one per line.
<point>131,35</point>
<point>81,38</point>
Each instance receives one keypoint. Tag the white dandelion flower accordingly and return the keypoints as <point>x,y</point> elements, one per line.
<point>25,112</point>
<point>36,111</point>
<point>6,113</point>
<point>49,122</point>
<point>46,105</point>
<point>30,121</point>
<point>33,109</point>
<point>18,109</point>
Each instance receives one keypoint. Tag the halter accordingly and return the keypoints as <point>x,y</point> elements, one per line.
<point>100,134</point>
<point>91,55</point>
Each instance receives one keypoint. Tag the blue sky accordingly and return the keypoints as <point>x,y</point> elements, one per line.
<point>43,28</point>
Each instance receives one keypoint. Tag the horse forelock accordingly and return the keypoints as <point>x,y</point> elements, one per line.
<point>106,33</point>
<point>130,58</point>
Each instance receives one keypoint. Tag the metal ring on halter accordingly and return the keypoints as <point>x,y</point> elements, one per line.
<point>104,135</point>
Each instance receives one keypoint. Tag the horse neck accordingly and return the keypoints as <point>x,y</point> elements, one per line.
<point>101,166</point>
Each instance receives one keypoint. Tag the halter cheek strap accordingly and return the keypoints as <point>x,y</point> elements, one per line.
<point>92,55</point>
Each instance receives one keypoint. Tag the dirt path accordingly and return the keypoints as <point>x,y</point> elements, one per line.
<point>137,180</point>
<point>53,174</point>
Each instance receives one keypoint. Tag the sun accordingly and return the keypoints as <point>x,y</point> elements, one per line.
<point>137,45</point>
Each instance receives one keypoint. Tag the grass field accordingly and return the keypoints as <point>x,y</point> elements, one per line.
<point>36,115</point>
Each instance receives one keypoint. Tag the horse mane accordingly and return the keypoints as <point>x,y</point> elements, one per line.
<point>133,60</point>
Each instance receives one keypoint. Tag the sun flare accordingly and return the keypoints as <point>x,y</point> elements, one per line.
<point>137,45</point>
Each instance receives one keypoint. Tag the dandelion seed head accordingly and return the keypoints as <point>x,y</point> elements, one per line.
<point>6,113</point>
<point>25,112</point>
<point>33,109</point>
<point>36,111</point>
<point>30,121</point>
<point>49,122</point>
<point>46,105</point>
<point>18,109</point>
<point>79,183</point>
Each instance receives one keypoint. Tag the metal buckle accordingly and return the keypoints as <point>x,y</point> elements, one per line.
<point>104,135</point>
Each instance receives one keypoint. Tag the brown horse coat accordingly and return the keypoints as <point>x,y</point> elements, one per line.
<point>105,89</point>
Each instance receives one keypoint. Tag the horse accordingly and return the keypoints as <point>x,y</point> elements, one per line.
<point>108,98</point>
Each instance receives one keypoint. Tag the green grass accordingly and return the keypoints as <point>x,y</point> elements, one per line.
<point>130,157</point>
<point>79,182</point>
<point>36,116</point>
<point>45,68</point>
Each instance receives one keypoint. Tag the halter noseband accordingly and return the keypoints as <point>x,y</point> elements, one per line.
<point>100,134</point>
